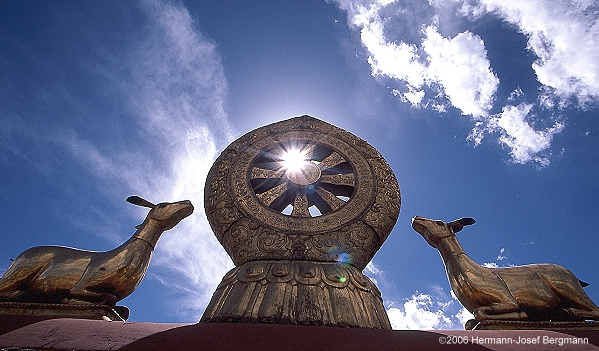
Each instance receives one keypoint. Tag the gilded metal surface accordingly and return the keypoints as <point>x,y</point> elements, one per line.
<point>11,310</point>
<point>341,205</point>
<point>301,206</point>
<point>55,274</point>
<point>537,292</point>
<point>494,324</point>
<point>298,292</point>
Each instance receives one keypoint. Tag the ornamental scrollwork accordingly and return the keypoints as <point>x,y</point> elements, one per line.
<point>343,183</point>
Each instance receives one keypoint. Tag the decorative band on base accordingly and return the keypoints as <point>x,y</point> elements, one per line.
<point>298,292</point>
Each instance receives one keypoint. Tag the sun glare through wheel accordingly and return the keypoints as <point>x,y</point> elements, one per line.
<point>293,160</point>
<point>304,180</point>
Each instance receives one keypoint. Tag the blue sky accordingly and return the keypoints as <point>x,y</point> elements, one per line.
<point>483,108</point>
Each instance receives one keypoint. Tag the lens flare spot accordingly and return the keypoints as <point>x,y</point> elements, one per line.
<point>342,279</point>
<point>344,258</point>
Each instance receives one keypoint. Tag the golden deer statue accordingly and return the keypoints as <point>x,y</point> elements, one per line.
<point>55,274</point>
<point>536,292</point>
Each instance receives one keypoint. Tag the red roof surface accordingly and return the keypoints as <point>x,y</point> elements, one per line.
<point>82,335</point>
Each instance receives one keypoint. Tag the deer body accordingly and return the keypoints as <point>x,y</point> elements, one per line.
<point>531,292</point>
<point>61,274</point>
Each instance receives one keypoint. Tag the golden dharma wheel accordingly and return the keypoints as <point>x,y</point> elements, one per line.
<point>301,206</point>
<point>301,189</point>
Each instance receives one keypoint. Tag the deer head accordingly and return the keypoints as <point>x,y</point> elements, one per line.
<point>434,230</point>
<point>167,214</point>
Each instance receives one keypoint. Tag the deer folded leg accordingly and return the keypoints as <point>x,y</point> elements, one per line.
<point>578,313</point>
<point>501,311</point>
<point>18,277</point>
<point>10,295</point>
<point>86,297</point>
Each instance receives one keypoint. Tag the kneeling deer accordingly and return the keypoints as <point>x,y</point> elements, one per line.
<point>531,292</point>
<point>56,274</point>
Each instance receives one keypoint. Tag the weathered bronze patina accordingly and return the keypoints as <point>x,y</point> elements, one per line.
<point>54,274</point>
<point>536,292</point>
<point>301,206</point>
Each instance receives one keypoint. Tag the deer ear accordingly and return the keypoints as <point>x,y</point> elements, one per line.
<point>466,221</point>
<point>456,228</point>
<point>459,224</point>
<point>136,200</point>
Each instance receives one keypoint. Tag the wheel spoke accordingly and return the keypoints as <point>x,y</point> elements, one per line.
<point>308,151</point>
<point>300,204</point>
<point>331,161</point>
<point>278,189</point>
<point>333,201</point>
<point>339,179</point>
<point>271,195</point>
<point>261,173</point>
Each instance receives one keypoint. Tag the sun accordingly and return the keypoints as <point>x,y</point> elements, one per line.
<point>294,160</point>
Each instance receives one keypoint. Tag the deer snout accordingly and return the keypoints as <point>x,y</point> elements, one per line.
<point>185,211</point>
<point>431,230</point>
<point>170,214</point>
<point>420,223</point>
<point>416,221</point>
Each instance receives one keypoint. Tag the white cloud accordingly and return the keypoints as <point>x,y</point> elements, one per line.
<point>490,265</point>
<point>128,167</point>
<point>375,274</point>
<point>174,91</point>
<point>373,269</point>
<point>178,77</point>
<point>193,261</point>
<point>501,257</point>
<point>427,312</point>
<point>433,71</point>
<point>525,143</point>
<point>152,125</point>
<point>464,316</point>
<point>398,61</point>
<point>434,310</point>
<point>461,67</point>
<point>178,94</point>
<point>564,36</point>
<point>457,68</point>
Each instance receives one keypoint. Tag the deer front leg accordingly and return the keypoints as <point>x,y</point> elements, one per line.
<point>502,311</point>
